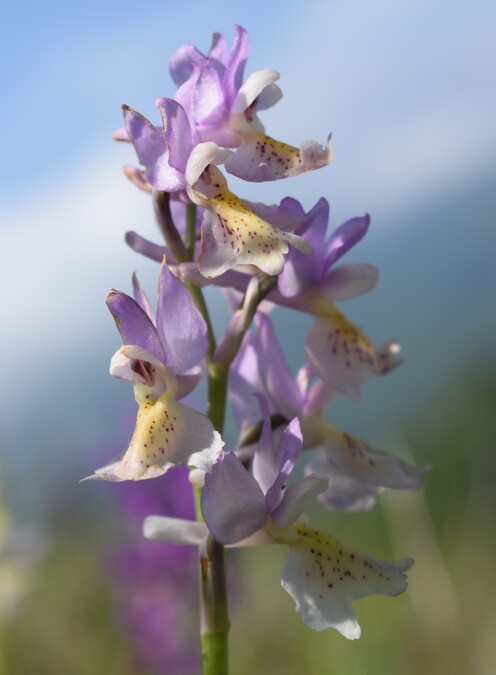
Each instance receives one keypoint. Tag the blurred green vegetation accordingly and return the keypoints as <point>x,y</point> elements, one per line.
<point>445,623</point>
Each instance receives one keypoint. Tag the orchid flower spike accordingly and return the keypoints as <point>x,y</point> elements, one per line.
<point>161,357</point>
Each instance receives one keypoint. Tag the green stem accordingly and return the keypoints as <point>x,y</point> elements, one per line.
<point>190,238</point>
<point>214,624</point>
<point>214,612</point>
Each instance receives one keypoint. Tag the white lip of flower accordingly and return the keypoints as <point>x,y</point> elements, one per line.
<point>167,433</point>
<point>321,574</point>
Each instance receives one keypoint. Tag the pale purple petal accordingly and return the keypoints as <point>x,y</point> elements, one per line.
<point>233,504</point>
<point>178,134</point>
<point>134,325</point>
<point>343,493</point>
<point>296,498</point>
<point>301,273</point>
<point>152,151</point>
<point>188,381</point>
<point>145,247</point>
<point>318,396</point>
<point>265,465</point>
<point>323,576</point>
<point>359,460</point>
<point>209,101</point>
<point>141,299</point>
<point>349,281</point>
<point>182,329</point>
<point>174,530</point>
<point>185,95</point>
<point>345,237</point>
<point>288,451</point>
<point>279,381</point>
<point>219,49</point>
<point>235,66</point>
<point>244,381</point>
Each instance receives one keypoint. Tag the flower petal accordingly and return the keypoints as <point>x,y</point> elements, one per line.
<point>145,247</point>
<point>245,380</point>
<point>295,499</point>
<point>343,356</point>
<point>235,65</point>
<point>265,464</point>
<point>360,461</point>
<point>345,237</point>
<point>233,235</point>
<point>219,49</point>
<point>138,366</point>
<point>288,451</point>
<point>253,87</point>
<point>343,493</point>
<point>188,62</point>
<point>200,158</point>
<point>279,381</point>
<point>262,158</point>
<point>152,151</point>
<point>232,502</point>
<point>301,273</point>
<point>174,530</point>
<point>137,177</point>
<point>181,327</point>
<point>178,133</point>
<point>349,281</point>
<point>141,299</point>
<point>133,324</point>
<point>324,577</point>
<point>167,434</point>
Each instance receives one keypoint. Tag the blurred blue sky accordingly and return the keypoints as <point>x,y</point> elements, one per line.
<point>407,90</point>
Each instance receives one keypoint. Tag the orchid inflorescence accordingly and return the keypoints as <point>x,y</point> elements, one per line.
<point>261,256</point>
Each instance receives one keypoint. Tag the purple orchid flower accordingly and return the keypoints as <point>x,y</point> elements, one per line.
<point>162,152</point>
<point>161,357</point>
<point>223,109</point>
<point>211,86</point>
<point>339,352</point>
<point>356,471</point>
<point>174,161</point>
<point>240,509</point>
